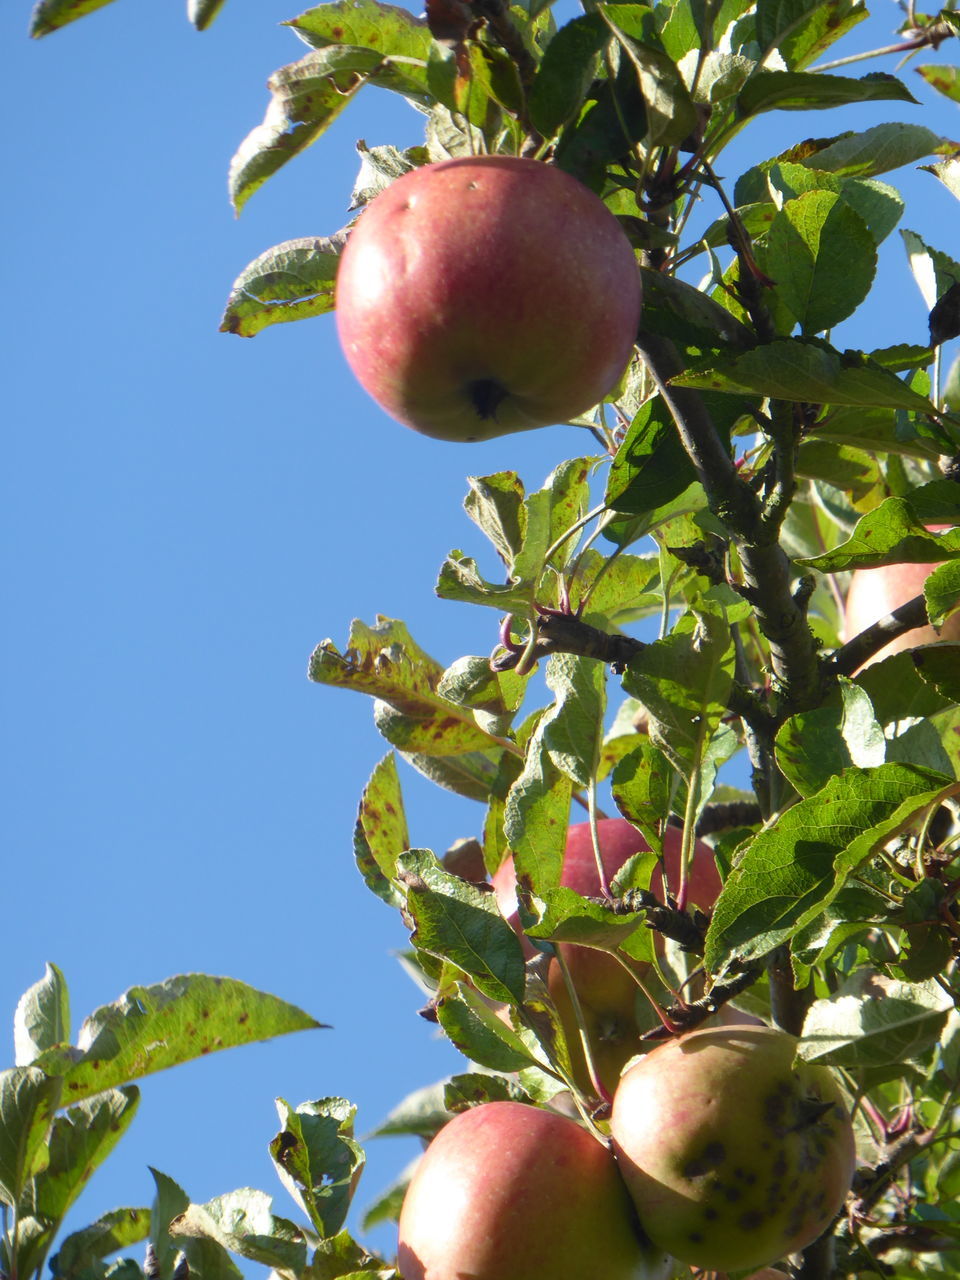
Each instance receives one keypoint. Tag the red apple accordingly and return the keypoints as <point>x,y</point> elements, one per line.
<point>510,1192</point>
<point>874,593</point>
<point>485,295</point>
<point>606,990</point>
<point>734,1155</point>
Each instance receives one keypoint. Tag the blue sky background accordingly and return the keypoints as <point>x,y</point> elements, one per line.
<point>184,516</point>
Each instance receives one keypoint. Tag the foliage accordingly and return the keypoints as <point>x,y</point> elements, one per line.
<point>747,466</point>
<point>64,1107</point>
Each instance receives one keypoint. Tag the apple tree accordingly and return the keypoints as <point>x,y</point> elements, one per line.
<point>669,669</point>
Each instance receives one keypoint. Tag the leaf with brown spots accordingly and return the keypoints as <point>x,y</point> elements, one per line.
<point>318,1160</point>
<point>291,281</point>
<point>150,1028</point>
<point>460,922</point>
<point>380,834</point>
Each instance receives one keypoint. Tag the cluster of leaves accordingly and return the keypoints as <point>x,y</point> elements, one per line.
<point>64,1108</point>
<point>763,465</point>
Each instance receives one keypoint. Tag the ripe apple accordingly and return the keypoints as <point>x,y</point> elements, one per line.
<point>607,992</point>
<point>874,593</point>
<point>734,1155</point>
<point>507,1191</point>
<point>485,295</point>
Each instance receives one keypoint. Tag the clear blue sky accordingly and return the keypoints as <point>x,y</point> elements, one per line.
<point>184,516</point>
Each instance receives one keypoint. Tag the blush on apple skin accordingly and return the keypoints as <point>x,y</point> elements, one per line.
<point>734,1156</point>
<point>511,1192</point>
<point>486,295</point>
<point>873,593</point>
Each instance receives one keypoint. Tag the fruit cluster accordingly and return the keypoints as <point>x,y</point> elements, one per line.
<point>723,1152</point>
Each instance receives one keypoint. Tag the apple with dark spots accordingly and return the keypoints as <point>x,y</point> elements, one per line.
<point>735,1155</point>
<point>486,295</point>
<point>607,992</point>
<point>507,1191</point>
<point>873,593</point>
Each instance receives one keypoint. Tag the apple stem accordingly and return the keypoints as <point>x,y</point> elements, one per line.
<point>595,836</point>
<point>602,1093</point>
<point>687,838</point>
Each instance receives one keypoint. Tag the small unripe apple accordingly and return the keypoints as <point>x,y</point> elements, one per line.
<point>606,991</point>
<point>485,295</point>
<point>734,1155</point>
<point>873,593</point>
<point>511,1192</point>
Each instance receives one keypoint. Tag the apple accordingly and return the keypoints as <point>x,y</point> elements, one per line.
<point>874,593</point>
<point>735,1156</point>
<point>507,1191</point>
<point>486,295</point>
<point>607,992</point>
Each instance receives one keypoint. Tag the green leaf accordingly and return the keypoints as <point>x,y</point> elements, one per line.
<point>242,1222</point>
<point>537,812</point>
<point>80,1140</point>
<point>421,1113</point>
<point>318,1160</point>
<point>566,72</point>
<point>51,15</point>
<point>809,91</point>
<point>814,745</point>
<point>470,1089</point>
<point>810,371</point>
<point>495,505</point>
<point>306,98</point>
<point>477,775</point>
<point>945,80</point>
<point>942,592</point>
<point>933,270</point>
<point>895,533</point>
<point>150,1028</point>
<point>116,1230</point>
<point>341,1256</point>
<point>460,922</point>
<point>365,24</point>
<point>874,1022</point>
<point>474,1028</point>
<point>823,258</point>
<point>380,834</point>
<point>292,281</point>
<point>877,150</point>
<point>948,171</point>
<point>201,13</point>
<point>689,317</point>
<point>493,697</point>
<point>898,692</point>
<point>642,788</point>
<point>572,736</point>
<point>42,1018</point>
<point>937,666</point>
<point>460,579</point>
<point>671,113</point>
<point>878,204</point>
<point>786,875</point>
<point>28,1099</point>
<point>568,917</point>
<point>550,513</point>
<point>651,466</point>
<point>683,682</point>
<point>206,1259</point>
<point>803,29</point>
<point>384,662</point>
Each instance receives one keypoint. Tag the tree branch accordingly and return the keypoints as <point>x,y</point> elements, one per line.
<point>907,617</point>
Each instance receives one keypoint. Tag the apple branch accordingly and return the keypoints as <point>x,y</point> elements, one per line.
<point>800,679</point>
<point>906,617</point>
